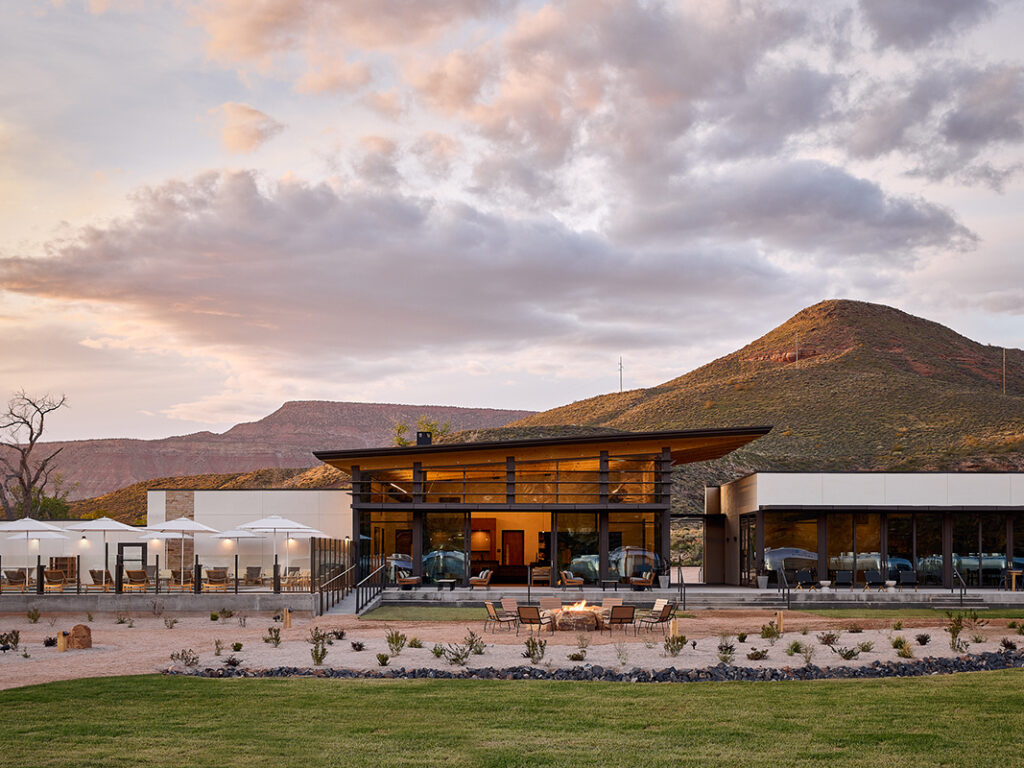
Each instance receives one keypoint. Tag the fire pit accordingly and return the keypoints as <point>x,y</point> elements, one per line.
<point>578,616</point>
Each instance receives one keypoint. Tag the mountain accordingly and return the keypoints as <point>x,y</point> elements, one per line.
<point>284,439</point>
<point>847,385</point>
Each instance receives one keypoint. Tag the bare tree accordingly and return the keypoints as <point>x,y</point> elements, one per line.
<point>24,478</point>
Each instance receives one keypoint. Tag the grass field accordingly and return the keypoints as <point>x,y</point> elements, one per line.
<point>910,613</point>
<point>960,720</point>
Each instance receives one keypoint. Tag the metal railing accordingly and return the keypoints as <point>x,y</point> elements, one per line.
<point>369,588</point>
<point>334,590</point>
<point>682,584</point>
<point>963,586</point>
<point>783,586</point>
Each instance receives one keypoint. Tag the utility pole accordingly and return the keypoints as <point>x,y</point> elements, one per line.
<point>620,375</point>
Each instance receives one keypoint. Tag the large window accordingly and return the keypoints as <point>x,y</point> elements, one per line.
<point>900,554</point>
<point>840,542</point>
<point>868,538</point>
<point>928,527</point>
<point>444,546</point>
<point>966,547</point>
<point>386,538</point>
<point>578,547</point>
<point>790,543</point>
<point>633,544</point>
<point>993,547</point>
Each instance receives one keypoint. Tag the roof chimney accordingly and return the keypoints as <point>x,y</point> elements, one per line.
<point>424,438</point>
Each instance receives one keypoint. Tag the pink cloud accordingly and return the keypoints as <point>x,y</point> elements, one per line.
<point>245,128</point>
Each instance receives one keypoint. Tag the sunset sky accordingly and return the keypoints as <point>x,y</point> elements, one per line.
<point>209,207</point>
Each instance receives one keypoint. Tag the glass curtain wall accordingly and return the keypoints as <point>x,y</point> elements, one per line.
<point>790,543</point>
<point>748,549</point>
<point>1018,543</point>
<point>966,547</point>
<point>928,527</point>
<point>633,544</point>
<point>868,538</point>
<point>386,537</point>
<point>578,545</point>
<point>993,548</point>
<point>444,546</point>
<point>840,542</point>
<point>900,553</point>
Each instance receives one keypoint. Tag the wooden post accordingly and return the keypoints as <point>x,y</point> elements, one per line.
<point>62,641</point>
<point>778,621</point>
<point>286,618</point>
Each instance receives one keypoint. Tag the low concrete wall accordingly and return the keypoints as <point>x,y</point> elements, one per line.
<point>300,602</point>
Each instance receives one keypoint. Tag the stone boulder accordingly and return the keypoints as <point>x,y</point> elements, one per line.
<point>80,637</point>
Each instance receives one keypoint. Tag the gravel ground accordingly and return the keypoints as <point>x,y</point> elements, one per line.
<point>146,645</point>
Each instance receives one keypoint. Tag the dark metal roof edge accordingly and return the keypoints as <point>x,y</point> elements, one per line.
<point>348,489</point>
<point>413,450</point>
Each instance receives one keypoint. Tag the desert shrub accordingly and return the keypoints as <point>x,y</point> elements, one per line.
<point>855,629</point>
<point>866,647</point>
<point>579,655</point>
<point>382,659</point>
<point>49,642</point>
<point>897,625</point>
<point>336,634</point>
<point>535,648</point>
<point>119,618</point>
<point>726,650</point>
<point>1011,625</point>
<point>582,641</point>
<point>457,655</point>
<point>900,642</point>
<point>169,622</point>
<point>316,635</point>
<point>622,652</point>
<point>236,647</point>
<point>319,651</point>
<point>977,638</point>
<point>794,648</point>
<point>186,657</point>
<point>232,661</point>
<point>674,644</point>
<point>741,637</point>
<point>415,642</point>
<point>474,642</point>
<point>33,615</point>
<point>973,622</point>
<point>770,631</point>
<point>357,646</point>
<point>214,615</point>
<point>12,638</point>
<point>955,627</point>
<point>755,655</point>
<point>808,654</point>
<point>1007,644</point>
<point>847,654</point>
<point>829,638</point>
<point>218,646</point>
<point>437,650</point>
<point>923,639</point>
<point>396,641</point>
<point>226,613</point>
<point>905,652</point>
<point>273,636</point>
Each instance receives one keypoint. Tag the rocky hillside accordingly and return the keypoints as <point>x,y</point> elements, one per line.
<point>847,385</point>
<point>285,438</point>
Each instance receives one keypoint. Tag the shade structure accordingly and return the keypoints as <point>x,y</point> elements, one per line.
<point>102,524</point>
<point>181,526</point>
<point>28,526</point>
<point>275,524</point>
<point>39,535</point>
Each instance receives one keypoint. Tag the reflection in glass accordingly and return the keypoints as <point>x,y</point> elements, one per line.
<point>966,547</point>
<point>578,546</point>
<point>900,554</point>
<point>840,542</point>
<point>444,546</point>
<point>929,548</point>
<point>790,543</point>
<point>993,548</point>
<point>868,538</point>
<point>632,544</point>
<point>386,537</point>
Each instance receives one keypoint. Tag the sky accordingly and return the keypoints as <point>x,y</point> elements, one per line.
<point>211,207</point>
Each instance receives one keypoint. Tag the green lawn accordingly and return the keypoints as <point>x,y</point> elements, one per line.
<point>961,720</point>
<point>909,613</point>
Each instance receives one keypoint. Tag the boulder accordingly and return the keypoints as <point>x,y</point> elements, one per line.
<point>80,637</point>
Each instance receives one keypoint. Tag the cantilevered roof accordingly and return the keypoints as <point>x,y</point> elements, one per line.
<point>686,446</point>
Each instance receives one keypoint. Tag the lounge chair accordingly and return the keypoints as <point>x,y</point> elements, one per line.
<point>907,579</point>
<point>570,579</point>
<point>181,580</point>
<point>216,580</point>
<point>483,580</point>
<point>643,581</point>
<point>873,580</point>
<point>611,602</point>
<point>53,580</point>
<point>621,616</point>
<point>253,576</point>
<point>495,619</point>
<point>135,580</point>
<point>804,580</point>
<point>540,575</point>
<point>843,579</point>
<point>654,619</point>
<point>405,580</point>
<point>550,603</point>
<point>530,616</point>
<point>102,581</point>
<point>509,606</point>
<point>15,580</point>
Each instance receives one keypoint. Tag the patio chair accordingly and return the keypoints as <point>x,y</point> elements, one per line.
<point>135,580</point>
<point>405,580</point>
<point>907,579</point>
<point>495,619</point>
<point>530,616</point>
<point>15,580</point>
<point>550,603</point>
<point>642,582</point>
<point>53,580</point>
<point>611,602</point>
<point>102,581</point>
<point>216,580</point>
<point>540,574</point>
<point>843,579</point>
<point>804,580</point>
<point>570,579</point>
<point>483,580</point>
<point>181,580</point>
<point>873,580</point>
<point>509,606</point>
<point>253,576</point>
<point>621,616</point>
<point>661,618</point>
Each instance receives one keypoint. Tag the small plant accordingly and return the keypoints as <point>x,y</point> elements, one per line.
<point>437,650</point>
<point>855,629</point>
<point>897,625</point>
<point>977,638</point>
<point>121,618</point>
<point>649,644</point>
<point>357,645</point>
<point>1006,643</point>
<point>955,626</point>
<point>756,655</point>
<point>770,632</point>
<point>319,651</point>
<point>316,635</point>
<point>457,655</point>
<point>582,641</point>
<point>88,617</point>
<point>579,655</point>
<point>12,638</point>
<point>33,615</point>
<point>900,642</point>
<point>808,654</point>
<point>226,613</point>
<point>396,641</point>
<point>339,634</point>
<point>474,642</point>
<point>972,622</point>
<point>847,654</point>
<point>1020,628</point>
<point>535,648</point>
<point>415,642</point>
<point>157,607</point>
<point>923,639</point>
<point>170,622</point>
<point>218,646</point>
<point>741,637</point>
<point>232,661</point>
<point>236,647</point>
<point>52,620</point>
<point>794,648</point>
<point>866,647</point>
<point>382,659</point>
<point>214,615</point>
<point>905,652</point>
<point>241,620</point>
<point>49,642</point>
<point>803,631</point>
<point>726,650</point>
<point>25,654</point>
<point>186,657</point>
<point>675,644</point>
<point>273,636</point>
<point>131,622</point>
<point>1011,625</point>
<point>622,652</point>
<point>829,638</point>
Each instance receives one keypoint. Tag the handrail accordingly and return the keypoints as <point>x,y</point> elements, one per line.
<point>682,583</point>
<point>330,594</point>
<point>963,586</point>
<point>370,587</point>
<point>783,585</point>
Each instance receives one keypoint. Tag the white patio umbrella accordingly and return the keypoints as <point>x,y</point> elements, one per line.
<point>28,526</point>
<point>181,526</point>
<point>161,535</point>
<point>276,523</point>
<point>103,524</point>
<point>237,534</point>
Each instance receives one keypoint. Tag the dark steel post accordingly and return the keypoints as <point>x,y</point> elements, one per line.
<point>118,564</point>
<point>157,577</point>
<point>277,576</point>
<point>236,572</point>
<point>197,576</point>
<point>39,574</point>
<point>78,574</point>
